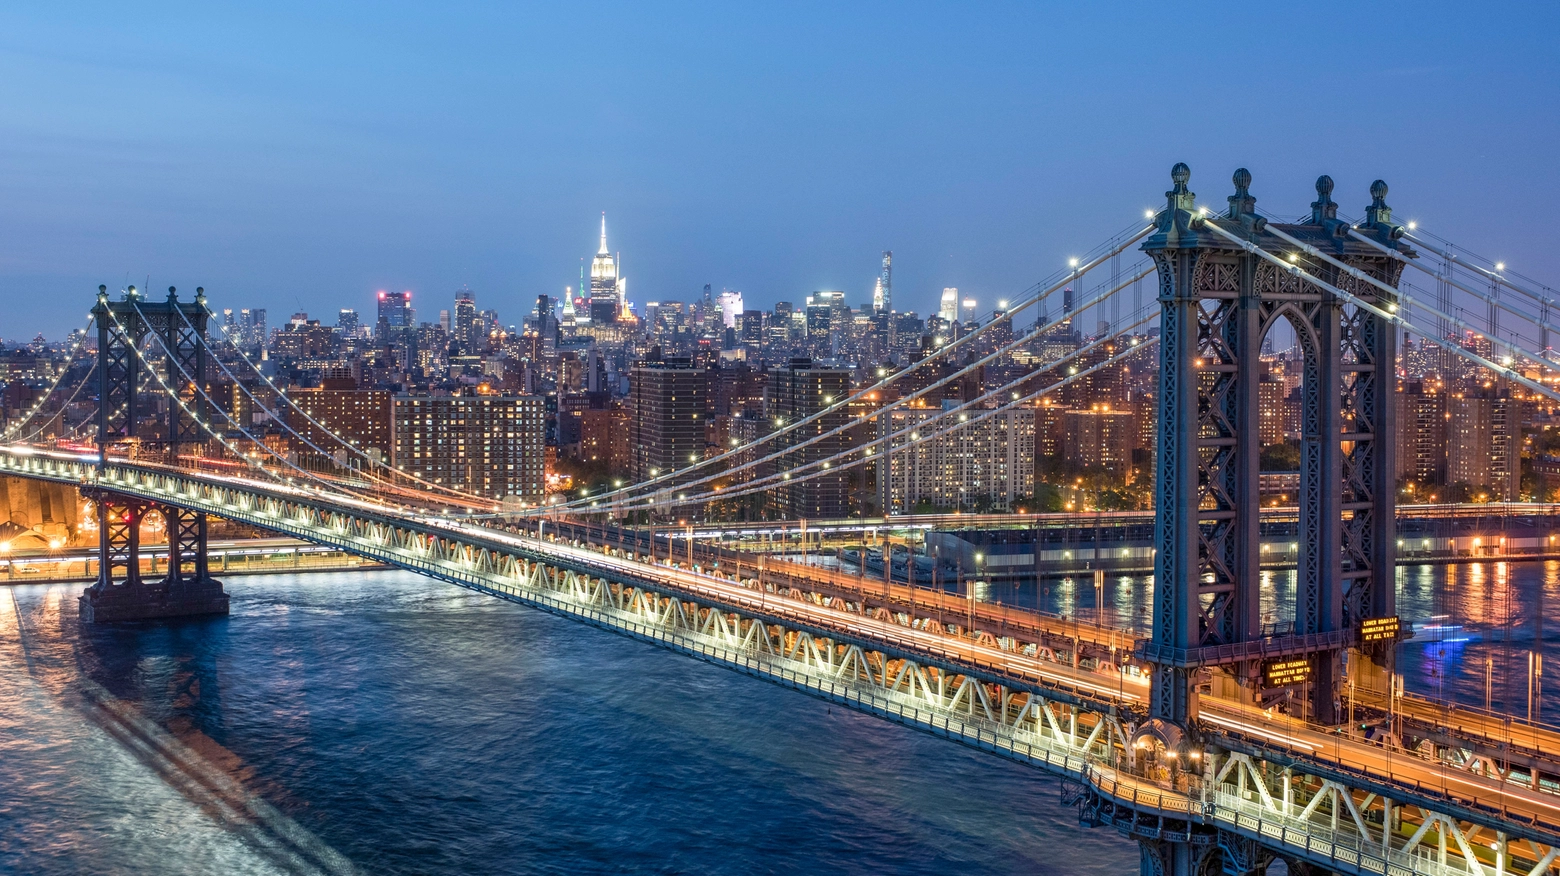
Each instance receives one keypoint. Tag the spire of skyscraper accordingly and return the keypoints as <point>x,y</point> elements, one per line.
<point>603,250</point>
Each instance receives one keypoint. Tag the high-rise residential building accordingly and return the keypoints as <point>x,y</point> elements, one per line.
<point>1100,437</point>
<point>1271,410</point>
<point>797,391</point>
<point>1422,432</point>
<point>347,322</point>
<point>361,417</point>
<point>482,444</point>
<point>963,460</point>
<point>601,439</point>
<point>667,401</point>
<point>467,327</point>
<point>967,311</point>
<point>1483,443</point>
<point>606,284</point>
<point>883,292</point>
<point>948,308</point>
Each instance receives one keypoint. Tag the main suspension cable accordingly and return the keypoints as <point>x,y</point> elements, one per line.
<point>11,430</point>
<point>209,400</point>
<point>1393,317</point>
<point>1078,270</point>
<point>833,464</point>
<point>318,425</point>
<point>857,419</point>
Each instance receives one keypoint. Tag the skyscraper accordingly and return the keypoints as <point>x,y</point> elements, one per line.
<point>466,325</point>
<point>396,317</point>
<point>730,307</point>
<point>948,308</point>
<point>883,294</point>
<point>605,284</point>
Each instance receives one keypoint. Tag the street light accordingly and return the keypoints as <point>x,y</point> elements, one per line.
<point>979,559</point>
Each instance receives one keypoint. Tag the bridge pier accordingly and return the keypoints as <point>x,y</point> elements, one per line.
<point>120,593</point>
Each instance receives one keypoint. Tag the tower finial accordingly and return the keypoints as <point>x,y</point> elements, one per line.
<point>603,250</point>
<point>1378,213</point>
<point>1242,203</point>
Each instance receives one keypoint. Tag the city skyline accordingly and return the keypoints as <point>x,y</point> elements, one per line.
<point>389,163</point>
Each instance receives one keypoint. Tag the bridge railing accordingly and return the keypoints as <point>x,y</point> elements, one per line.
<point>1315,836</point>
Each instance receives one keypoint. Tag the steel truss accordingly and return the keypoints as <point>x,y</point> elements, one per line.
<point>1246,805</point>
<point>1243,813</point>
<point>122,328</point>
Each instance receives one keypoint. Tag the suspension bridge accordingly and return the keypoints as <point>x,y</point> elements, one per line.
<point>1217,743</point>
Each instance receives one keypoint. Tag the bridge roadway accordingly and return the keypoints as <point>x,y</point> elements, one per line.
<point>967,688</point>
<point>1057,633</point>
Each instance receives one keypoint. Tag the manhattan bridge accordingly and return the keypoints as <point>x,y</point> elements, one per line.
<point>1221,744</point>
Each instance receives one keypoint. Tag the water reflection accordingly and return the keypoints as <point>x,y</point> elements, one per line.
<point>1501,613</point>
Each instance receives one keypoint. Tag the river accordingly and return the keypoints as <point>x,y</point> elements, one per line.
<point>385,723</point>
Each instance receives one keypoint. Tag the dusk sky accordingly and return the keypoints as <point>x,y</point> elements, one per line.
<point>301,156</point>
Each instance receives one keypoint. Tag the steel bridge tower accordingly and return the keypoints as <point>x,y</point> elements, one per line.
<point>187,588</point>
<point>1217,304</point>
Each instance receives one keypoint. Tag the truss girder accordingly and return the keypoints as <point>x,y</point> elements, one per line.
<point>1245,795</point>
<point>122,329</point>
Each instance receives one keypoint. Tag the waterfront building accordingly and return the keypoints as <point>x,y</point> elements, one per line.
<point>984,461</point>
<point>484,444</point>
<point>1422,432</point>
<point>1483,444</point>
<point>1100,437</point>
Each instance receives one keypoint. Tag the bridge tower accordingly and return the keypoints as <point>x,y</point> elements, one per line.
<point>1218,301</point>
<point>188,588</point>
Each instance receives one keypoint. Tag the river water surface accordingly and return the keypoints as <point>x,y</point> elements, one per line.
<point>386,723</point>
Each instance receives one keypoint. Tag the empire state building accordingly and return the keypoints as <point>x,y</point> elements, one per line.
<point>606,286</point>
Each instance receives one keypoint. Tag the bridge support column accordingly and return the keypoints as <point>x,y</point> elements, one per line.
<point>120,593</point>
<point>1166,858</point>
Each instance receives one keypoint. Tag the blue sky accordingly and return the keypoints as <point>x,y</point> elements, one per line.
<point>291,156</point>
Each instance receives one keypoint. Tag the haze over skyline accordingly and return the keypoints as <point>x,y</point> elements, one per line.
<point>297,158</point>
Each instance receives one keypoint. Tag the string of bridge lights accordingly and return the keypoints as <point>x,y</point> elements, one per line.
<point>1391,313</point>
<point>856,420</point>
<point>237,348</point>
<point>177,398</point>
<point>827,466</point>
<point>1076,270</point>
<point>272,414</point>
<point>70,359</point>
